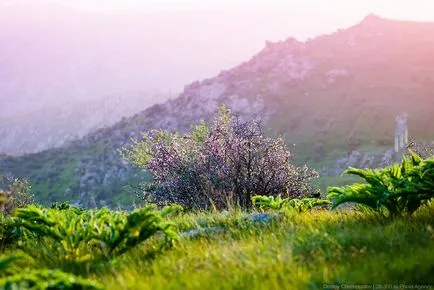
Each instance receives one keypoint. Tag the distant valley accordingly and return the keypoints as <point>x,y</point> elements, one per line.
<point>52,127</point>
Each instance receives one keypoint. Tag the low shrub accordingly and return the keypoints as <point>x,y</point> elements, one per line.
<point>214,166</point>
<point>16,193</point>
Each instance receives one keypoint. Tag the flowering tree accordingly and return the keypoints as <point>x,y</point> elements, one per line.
<point>230,161</point>
<point>16,193</point>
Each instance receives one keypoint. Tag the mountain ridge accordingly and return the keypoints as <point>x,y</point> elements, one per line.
<point>56,56</point>
<point>330,95</point>
<point>52,127</point>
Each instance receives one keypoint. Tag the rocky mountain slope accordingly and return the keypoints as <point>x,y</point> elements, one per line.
<point>58,64</point>
<point>54,126</point>
<point>329,96</point>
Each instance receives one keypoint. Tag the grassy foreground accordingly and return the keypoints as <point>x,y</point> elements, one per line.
<point>311,250</point>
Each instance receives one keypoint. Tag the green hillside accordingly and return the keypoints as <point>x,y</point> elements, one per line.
<point>328,96</point>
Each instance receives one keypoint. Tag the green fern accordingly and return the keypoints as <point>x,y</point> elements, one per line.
<point>278,203</point>
<point>399,189</point>
<point>6,264</point>
<point>269,202</point>
<point>305,204</point>
<point>81,236</point>
<point>13,277</point>
<point>47,279</point>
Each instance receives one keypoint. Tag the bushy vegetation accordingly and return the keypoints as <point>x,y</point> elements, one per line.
<point>424,150</point>
<point>286,238</point>
<point>65,247</point>
<point>12,278</point>
<point>16,193</point>
<point>395,190</point>
<point>71,240</point>
<point>228,162</point>
<point>76,236</point>
<point>295,250</point>
<point>278,203</point>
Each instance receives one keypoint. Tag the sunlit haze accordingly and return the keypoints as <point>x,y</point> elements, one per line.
<point>408,9</point>
<point>303,18</point>
<point>54,52</point>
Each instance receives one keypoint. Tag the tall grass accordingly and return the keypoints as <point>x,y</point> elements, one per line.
<point>291,251</point>
<point>296,251</point>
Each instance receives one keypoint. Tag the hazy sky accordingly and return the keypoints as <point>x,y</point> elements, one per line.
<point>312,17</point>
<point>178,41</point>
<point>304,18</point>
<point>406,9</point>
